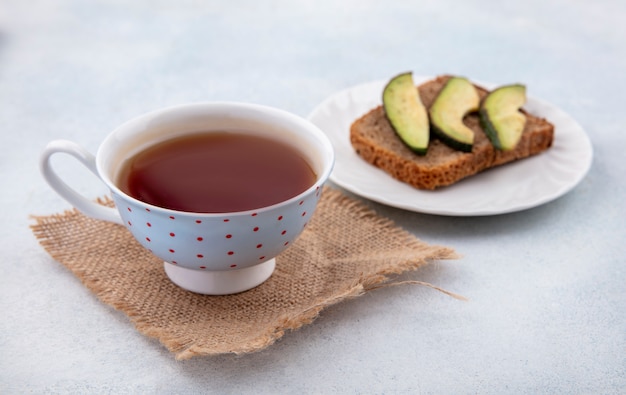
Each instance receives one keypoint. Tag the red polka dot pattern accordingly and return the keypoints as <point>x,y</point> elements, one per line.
<point>215,242</point>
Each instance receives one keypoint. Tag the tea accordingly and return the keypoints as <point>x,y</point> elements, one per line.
<point>216,172</point>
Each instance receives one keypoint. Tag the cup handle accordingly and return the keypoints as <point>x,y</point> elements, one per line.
<point>86,206</point>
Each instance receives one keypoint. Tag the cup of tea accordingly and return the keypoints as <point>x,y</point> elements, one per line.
<point>215,190</point>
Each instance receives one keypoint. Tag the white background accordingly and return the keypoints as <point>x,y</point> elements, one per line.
<point>546,286</point>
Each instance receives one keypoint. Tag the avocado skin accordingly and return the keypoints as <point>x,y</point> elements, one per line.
<point>489,129</point>
<point>449,141</point>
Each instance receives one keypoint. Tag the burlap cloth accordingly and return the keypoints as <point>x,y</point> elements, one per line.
<point>345,251</point>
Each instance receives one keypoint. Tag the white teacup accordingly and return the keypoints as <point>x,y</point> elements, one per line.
<point>213,254</point>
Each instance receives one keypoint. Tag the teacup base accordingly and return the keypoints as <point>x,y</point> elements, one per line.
<point>220,282</point>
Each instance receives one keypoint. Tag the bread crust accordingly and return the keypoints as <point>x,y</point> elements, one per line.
<point>374,140</point>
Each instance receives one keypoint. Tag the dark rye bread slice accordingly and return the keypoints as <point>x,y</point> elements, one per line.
<point>375,141</point>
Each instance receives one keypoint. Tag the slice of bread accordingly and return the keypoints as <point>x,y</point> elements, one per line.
<point>375,141</point>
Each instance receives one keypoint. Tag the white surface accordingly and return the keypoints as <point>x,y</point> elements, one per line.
<point>514,187</point>
<point>545,286</point>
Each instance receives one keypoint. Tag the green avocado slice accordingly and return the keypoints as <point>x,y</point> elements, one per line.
<point>406,112</point>
<point>456,99</point>
<point>500,117</point>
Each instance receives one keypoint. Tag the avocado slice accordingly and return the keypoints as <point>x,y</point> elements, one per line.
<point>406,112</point>
<point>500,117</point>
<point>457,98</point>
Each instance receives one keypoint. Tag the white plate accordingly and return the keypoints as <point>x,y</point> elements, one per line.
<point>512,187</point>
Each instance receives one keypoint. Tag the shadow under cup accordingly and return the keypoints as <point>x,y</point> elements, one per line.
<point>216,253</point>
